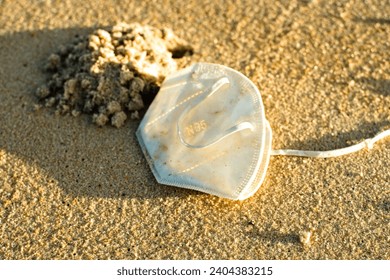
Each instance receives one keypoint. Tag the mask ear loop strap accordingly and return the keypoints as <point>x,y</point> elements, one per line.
<point>368,143</point>
<point>209,92</point>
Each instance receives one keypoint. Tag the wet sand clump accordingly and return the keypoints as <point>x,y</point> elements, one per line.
<point>111,74</point>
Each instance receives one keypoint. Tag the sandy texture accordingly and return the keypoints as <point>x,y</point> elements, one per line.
<point>112,72</point>
<point>71,190</point>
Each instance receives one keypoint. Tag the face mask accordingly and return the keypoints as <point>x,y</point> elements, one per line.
<point>206,130</point>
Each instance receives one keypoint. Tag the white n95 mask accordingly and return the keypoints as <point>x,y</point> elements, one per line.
<point>206,130</point>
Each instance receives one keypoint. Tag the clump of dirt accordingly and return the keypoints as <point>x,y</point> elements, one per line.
<point>111,74</point>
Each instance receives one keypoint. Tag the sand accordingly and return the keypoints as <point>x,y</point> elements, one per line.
<point>111,73</point>
<point>72,190</point>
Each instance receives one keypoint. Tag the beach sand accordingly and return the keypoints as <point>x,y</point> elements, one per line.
<point>72,190</point>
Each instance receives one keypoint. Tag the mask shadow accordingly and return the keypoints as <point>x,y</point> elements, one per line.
<point>340,140</point>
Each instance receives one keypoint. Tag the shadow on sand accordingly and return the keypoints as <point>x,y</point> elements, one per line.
<point>372,20</point>
<point>84,159</point>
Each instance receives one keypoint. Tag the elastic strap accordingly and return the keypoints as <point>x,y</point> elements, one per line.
<point>368,143</point>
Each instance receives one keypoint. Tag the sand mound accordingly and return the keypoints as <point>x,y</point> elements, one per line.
<point>111,74</point>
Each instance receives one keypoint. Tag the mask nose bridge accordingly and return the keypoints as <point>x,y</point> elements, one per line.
<point>208,92</point>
